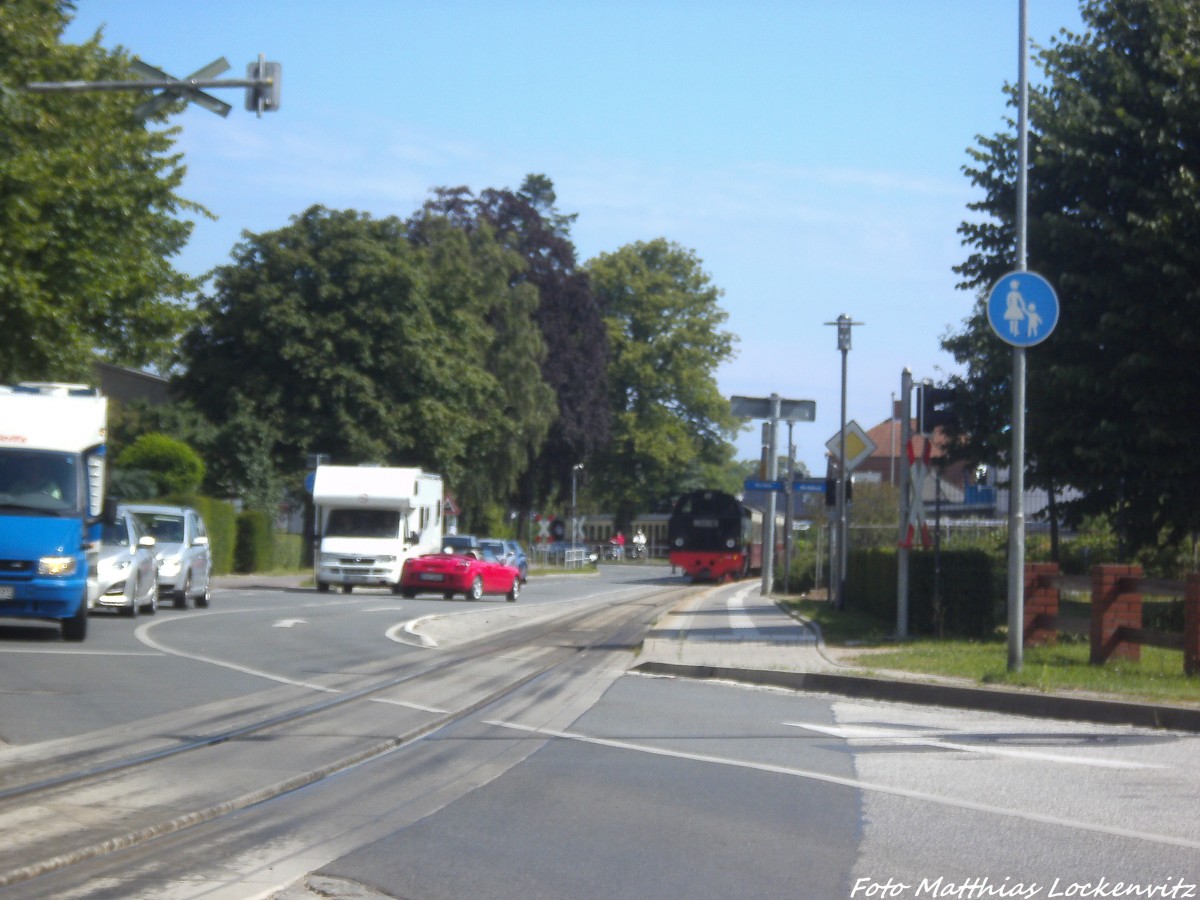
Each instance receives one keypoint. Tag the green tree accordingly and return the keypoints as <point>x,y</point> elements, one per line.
<point>175,467</point>
<point>88,209</point>
<point>1114,215</point>
<point>568,318</point>
<point>372,340</point>
<point>669,418</point>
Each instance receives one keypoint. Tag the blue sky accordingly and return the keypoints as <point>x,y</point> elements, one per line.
<point>808,152</point>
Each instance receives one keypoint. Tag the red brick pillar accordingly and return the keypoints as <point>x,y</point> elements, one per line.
<point>1191,625</point>
<point>1116,602</point>
<point>1041,603</point>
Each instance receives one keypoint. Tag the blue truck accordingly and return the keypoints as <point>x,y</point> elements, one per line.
<point>52,468</point>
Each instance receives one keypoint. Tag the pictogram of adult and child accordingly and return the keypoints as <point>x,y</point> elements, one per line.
<point>1022,308</point>
<point>1018,309</point>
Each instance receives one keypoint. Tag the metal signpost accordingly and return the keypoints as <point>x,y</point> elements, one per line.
<point>1022,310</point>
<point>262,83</point>
<point>772,409</point>
<point>844,325</point>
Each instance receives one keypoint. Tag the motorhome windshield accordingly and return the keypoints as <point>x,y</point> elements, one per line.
<point>39,481</point>
<point>369,523</point>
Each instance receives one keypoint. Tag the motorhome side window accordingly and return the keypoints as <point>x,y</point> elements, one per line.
<point>377,523</point>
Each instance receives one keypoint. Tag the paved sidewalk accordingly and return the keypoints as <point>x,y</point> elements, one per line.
<point>733,633</point>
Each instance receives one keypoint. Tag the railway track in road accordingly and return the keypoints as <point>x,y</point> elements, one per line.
<point>72,801</point>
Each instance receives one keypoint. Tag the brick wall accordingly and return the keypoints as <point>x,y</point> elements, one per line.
<point>1116,602</point>
<point>1041,603</point>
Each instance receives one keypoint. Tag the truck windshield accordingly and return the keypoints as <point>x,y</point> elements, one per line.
<point>40,480</point>
<point>370,523</point>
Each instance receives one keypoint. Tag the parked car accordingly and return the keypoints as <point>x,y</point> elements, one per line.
<point>184,557</point>
<point>127,572</point>
<point>470,572</point>
<point>510,552</point>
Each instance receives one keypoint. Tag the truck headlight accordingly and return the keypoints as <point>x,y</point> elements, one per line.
<point>56,565</point>
<point>329,559</point>
<point>386,560</point>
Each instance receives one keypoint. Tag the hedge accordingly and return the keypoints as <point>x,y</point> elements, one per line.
<point>255,549</point>
<point>966,604</point>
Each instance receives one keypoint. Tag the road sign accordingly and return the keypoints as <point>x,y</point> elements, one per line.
<point>1022,309</point>
<point>858,446</point>
<point>809,486</point>
<point>181,88</point>
<point>760,408</point>
<point>752,485</point>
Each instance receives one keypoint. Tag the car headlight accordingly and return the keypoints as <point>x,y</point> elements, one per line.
<point>170,567</point>
<point>385,559</point>
<point>56,565</point>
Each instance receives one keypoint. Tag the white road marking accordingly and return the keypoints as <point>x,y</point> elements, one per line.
<point>288,623</point>
<point>921,796</point>
<point>142,632</point>
<point>739,619</point>
<point>900,737</point>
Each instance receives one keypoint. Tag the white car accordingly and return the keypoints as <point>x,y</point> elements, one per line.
<point>127,572</point>
<point>184,559</point>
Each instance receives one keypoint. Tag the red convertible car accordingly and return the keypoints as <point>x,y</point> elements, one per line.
<point>471,572</point>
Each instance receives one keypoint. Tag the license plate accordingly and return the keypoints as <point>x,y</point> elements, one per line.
<point>431,576</point>
<point>7,592</point>
<point>705,523</point>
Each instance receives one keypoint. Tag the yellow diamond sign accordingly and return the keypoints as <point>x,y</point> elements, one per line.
<point>858,445</point>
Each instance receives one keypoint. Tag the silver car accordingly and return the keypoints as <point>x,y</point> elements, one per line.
<point>184,558</point>
<point>127,572</point>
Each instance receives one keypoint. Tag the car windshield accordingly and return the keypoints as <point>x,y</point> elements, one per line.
<point>165,529</point>
<point>40,480</point>
<point>115,534</point>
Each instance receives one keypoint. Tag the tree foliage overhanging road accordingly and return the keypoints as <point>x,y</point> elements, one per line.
<point>1114,222</point>
<point>89,214</point>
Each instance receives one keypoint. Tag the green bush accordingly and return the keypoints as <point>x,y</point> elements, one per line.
<point>963,603</point>
<point>175,467</point>
<point>255,547</point>
<point>288,554</point>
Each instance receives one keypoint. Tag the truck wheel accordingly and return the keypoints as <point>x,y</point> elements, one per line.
<point>75,628</point>
<point>516,590</point>
<point>476,589</point>
<point>347,588</point>
<point>322,587</point>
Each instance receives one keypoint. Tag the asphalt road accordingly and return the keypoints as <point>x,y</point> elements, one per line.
<point>595,781</point>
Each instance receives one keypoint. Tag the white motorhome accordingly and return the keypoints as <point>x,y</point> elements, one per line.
<point>369,520</point>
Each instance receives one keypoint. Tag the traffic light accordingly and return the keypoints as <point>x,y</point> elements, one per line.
<point>831,491</point>
<point>934,408</point>
<point>264,96</point>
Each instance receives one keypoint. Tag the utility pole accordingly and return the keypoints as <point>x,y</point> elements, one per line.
<point>844,323</point>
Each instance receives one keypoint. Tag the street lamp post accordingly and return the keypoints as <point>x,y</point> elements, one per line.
<point>844,323</point>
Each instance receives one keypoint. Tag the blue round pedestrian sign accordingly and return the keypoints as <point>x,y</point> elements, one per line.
<point>1023,309</point>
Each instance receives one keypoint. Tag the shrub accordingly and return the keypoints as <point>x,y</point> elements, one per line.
<point>175,467</point>
<point>255,548</point>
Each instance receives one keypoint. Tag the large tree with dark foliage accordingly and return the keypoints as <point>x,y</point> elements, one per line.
<point>1114,223</point>
<point>88,209</point>
<point>372,340</point>
<point>568,316</point>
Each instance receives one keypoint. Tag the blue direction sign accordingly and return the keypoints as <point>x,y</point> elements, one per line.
<point>809,486</point>
<point>1023,309</point>
<point>752,485</point>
